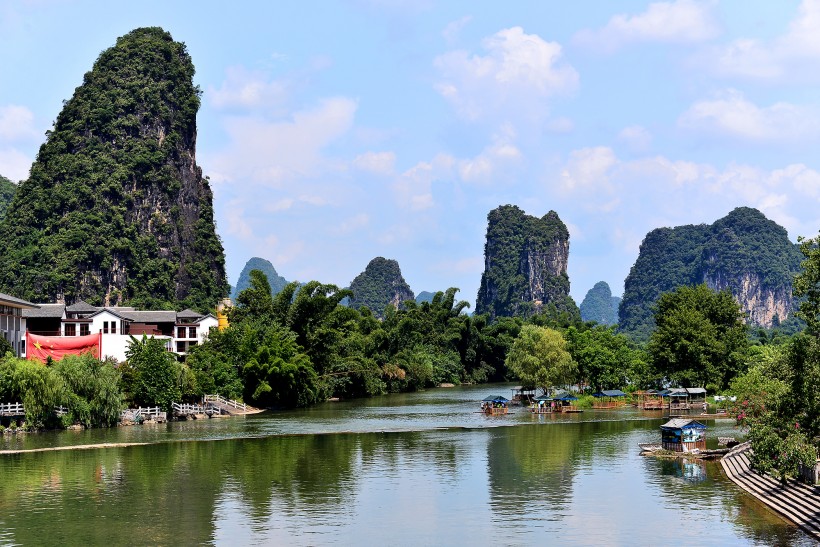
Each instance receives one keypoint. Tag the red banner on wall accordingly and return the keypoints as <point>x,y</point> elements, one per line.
<point>41,348</point>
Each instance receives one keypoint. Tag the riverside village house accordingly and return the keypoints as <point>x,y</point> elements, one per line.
<point>114,325</point>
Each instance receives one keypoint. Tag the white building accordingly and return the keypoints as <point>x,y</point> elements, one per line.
<point>180,330</point>
<point>13,322</point>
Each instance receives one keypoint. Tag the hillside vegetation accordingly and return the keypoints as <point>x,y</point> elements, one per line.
<point>116,210</point>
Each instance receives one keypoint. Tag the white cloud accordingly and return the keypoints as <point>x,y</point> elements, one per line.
<point>247,90</point>
<point>636,138</point>
<point>351,225</point>
<point>518,74</point>
<point>14,164</point>
<point>795,53</point>
<point>453,29</point>
<point>279,152</point>
<point>588,169</point>
<point>494,162</point>
<point>681,21</point>
<point>16,123</point>
<point>730,113</point>
<point>414,187</point>
<point>378,163</point>
<point>674,192</point>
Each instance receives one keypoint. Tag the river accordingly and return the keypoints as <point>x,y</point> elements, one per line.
<point>411,469</point>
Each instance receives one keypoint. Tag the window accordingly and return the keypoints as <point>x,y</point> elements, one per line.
<point>105,327</point>
<point>180,332</point>
<point>191,332</point>
<point>113,327</point>
<point>22,347</point>
<point>180,347</point>
<point>70,329</point>
<point>84,329</point>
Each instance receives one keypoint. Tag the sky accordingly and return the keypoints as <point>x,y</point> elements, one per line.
<point>335,132</point>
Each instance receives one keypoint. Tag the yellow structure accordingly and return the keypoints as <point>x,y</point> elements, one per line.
<point>222,313</point>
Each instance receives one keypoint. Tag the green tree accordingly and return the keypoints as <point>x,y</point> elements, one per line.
<point>279,374</point>
<point>539,358</point>
<point>254,302</point>
<point>35,385</point>
<point>700,339</point>
<point>605,360</point>
<point>154,373</point>
<point>91,390</point>
<point>5,347</point>
<point>807,284</point>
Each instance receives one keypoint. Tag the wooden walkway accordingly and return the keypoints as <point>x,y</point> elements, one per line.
<point>228,406</point>
<point>795,501</point>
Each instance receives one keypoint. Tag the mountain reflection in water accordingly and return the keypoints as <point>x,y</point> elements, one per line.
<point>578,479</point>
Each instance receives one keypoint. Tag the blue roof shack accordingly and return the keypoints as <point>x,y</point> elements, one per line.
<point>683,435</point>
<point>494,405</point>
<point>609,398</point>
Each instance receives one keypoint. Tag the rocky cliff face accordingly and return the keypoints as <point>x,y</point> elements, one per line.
<point>525,263</point>
<point>116,209</point>
<point>380,285</point>
<point>744,252</point>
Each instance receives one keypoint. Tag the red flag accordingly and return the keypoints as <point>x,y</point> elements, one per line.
<point>57,347</point>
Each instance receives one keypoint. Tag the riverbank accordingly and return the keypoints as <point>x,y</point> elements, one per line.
<point>795,501</point>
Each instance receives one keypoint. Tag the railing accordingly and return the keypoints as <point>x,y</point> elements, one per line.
<point>148,413</point>
<point>186,409</point>
<point>12,409</point>
<point>220,400</point>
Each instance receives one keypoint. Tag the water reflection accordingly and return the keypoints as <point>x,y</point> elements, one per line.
<point>686,469</point>
<point>580,480</point>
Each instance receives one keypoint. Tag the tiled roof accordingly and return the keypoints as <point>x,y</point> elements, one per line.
<point>7,299</point>
<point>150,316</point>
<point>188,314</point>
<point>81,307</point>
<point>46,311</point>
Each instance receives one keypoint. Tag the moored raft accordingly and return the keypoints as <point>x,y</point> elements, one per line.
<point>495,405</point>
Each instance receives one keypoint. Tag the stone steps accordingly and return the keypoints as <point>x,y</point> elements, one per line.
<point>795,501</point>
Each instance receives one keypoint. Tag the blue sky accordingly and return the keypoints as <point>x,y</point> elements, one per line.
<point>335,132</point>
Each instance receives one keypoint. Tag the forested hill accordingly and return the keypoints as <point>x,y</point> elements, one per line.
<point>379,285</point>
<point>116,210</point>
<point>744,252</point>
<point>525,264</point>
<point>277,282</point>
<point>599,305</point>
<point>7,190</point>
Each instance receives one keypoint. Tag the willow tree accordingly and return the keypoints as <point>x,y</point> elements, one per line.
<point>539,358</point>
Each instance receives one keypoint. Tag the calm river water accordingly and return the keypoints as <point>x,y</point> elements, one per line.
<point>417,469</point>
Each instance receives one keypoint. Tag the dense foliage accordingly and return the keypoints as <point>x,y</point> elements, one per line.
<point>7,190</point>
<point>525,264</point>
<point>302,345</point>
<point>742,244</point>
<point>700,338</point>
<point>276,281</point>
<point>115,209</point>
<point>152,375</point>
<point>599,305</point>
<point>87,388</point>
<point>539,357</point>
<point>380,285</point>
<point>606,359</point>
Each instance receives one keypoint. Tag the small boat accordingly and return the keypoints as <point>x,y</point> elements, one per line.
<point>495,405</point>
<point>650,447</point>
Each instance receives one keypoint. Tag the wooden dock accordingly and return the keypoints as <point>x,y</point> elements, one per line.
<point>794,501</point>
